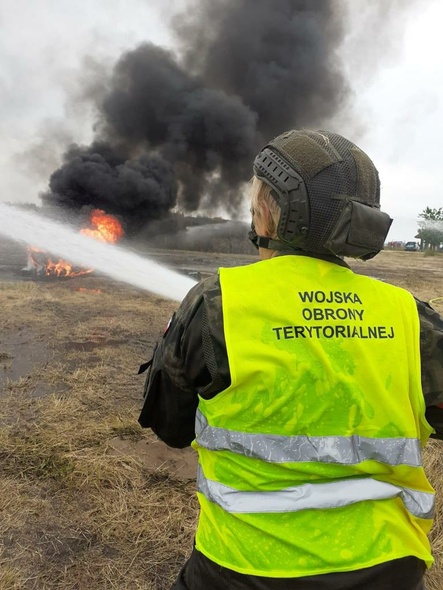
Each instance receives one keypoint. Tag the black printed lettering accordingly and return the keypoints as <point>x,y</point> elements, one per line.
<point>372,332</point>
<point>307,313</point>
<point>382,332</point>
<point>288,332</point>
<point>362,332</point>
<point>342,314</point>
<point>328,331</point>
<point>300,331</point>
<point>338,298</point>
<point>330,297</point>
<point>277,332</point>
<point>340,331</point>
<point>318,314</point>
<point>306,296</point>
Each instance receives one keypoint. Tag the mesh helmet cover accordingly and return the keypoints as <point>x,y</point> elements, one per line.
<point>343,189</point>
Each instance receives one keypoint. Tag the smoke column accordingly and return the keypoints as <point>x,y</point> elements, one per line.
<point>279,57</point>
<point>109,259</point>
<point>184,127</point>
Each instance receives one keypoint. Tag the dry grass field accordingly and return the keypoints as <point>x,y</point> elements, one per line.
<point>88,500</point>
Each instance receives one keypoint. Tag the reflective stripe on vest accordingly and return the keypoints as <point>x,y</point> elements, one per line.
<point>327,449</point>
<point>314,496</point>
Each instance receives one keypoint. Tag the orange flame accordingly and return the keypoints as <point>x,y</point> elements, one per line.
<point>105,228</point>
<point>46,266</point>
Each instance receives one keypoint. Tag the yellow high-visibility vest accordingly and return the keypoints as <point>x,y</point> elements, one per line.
<point>310,462</point>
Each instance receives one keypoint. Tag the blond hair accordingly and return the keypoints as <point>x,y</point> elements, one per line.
<point>262,201</point>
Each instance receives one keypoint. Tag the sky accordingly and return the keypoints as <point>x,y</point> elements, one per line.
<point>50,50</point>
<point>403,107</point>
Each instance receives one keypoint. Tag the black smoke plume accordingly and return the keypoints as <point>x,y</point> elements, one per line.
<point>278,56</point>
<point>97,176</point>
<point>184,128</point>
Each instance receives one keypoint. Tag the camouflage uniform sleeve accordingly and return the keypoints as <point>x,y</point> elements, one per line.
<point>431,352</point>
<point>184,365</point>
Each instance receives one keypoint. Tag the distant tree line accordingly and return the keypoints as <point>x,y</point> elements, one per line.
<point>430,230</point>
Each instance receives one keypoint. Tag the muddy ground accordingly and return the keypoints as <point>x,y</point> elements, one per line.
<point>99,502</point>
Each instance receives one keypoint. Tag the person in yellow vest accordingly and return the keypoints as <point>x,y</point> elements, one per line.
<point>307,390</point>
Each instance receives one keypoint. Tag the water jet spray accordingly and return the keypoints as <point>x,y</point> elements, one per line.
<point>109,259</point>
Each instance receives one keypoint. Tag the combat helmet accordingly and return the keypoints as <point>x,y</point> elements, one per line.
<point>328,191</point>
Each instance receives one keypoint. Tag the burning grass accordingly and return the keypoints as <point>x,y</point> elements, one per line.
<point>103,227</point>
<point>79,511</point>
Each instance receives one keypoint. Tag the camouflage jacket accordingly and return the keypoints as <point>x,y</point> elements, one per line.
<point>191,359</point>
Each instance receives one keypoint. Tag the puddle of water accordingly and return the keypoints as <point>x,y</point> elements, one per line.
<point>155,455</point>
<point>19,355</point>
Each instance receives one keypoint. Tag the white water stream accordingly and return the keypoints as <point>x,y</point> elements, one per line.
<point>109,259</point>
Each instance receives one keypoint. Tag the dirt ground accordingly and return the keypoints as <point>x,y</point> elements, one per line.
<point>88,499</point>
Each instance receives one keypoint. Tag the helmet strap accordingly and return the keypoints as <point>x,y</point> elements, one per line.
<point>268,243</point>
